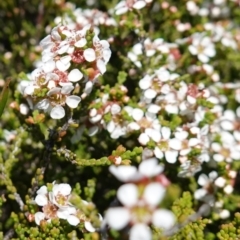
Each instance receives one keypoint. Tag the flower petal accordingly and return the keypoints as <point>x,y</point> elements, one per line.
<point>39,216</point>
<point>163,218</point>
<point>41,200</point>
<point>89,227</point>
<point>123,173</point>
<point>118,217</point>
<point>150,167</point>
<point>57,112</point>
<point>140,231</point>
<point>128,194</point>
<point>154,193</point>
<point>42,190</point>
<point>73,101</point>
<point>73,220</point>
<point>63,189</point>
<point>89,55</point>
<point>75,75</point>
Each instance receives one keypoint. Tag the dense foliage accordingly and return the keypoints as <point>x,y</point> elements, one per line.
<point>120,120</point>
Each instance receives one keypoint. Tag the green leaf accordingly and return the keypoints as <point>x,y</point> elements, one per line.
<point>4,96</point>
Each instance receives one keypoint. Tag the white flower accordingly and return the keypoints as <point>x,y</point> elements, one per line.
<point>56,204</point>
<point>56,97</point>
<point>203,47</point>
<point>205,193</point>
<point>60,194</point>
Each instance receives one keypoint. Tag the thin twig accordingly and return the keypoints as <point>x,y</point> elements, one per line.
<point>19,201</point>
<point>9,234</point>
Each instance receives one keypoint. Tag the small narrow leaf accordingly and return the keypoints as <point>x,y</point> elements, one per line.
<point>4,96</point>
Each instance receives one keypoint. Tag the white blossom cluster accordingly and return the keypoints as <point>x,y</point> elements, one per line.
<point>69,57</point>
<point>55,204</point>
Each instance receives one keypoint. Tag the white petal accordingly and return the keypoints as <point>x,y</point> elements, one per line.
<point>210,51</point>
<point>145,82</point>
<point>73,220</point>
<point>73,101</point>
<point>42,190</point>
<point>158,153</point>
<point>220,182</point>
<point>203,180</point>
<point>171,156</point>
<point>106,53</point>
<point>81,43</point>
<point>29,90</point>
<point>139,4</point>
<point>96,118</point>
<point>121,10</point>
<point>63,49</point>
<point>43,104</point>
<point>143,138</point>
<point>88,87</point>
<point>166,132</point>
<point>218,157</point>
<point>150,93</point>
<point>181,135</point>
<point>89,227</point>
<point>66,88</point>
<point>193,50</point>
<point>154,134</point>
<point>66,59</point>
<point>171,109</point>
<point>53,91</point>
<point>200,193</point>
<point>115,109</point>
<point>140,231</point>
<point>93,130</point>
<point>39,216</point>
<point>153,108</point>
<point>57,112</point>
<point>63,64</point>
<point>118,217</point>
<point>175,144</point>
<point>63,213</point>
<point>193,142</point>
<point>111,126</point>
<point>41,200</point>
<point>203,58</point>
<point>137,114</point>
<point>150,167</point>
<point>75,75</point>
<point>128,194</point>
<point>123,173</point>
<point>101,66</point>
<point>154,193</point>
<point>49,66</point>
<point>163,218</point>
<point>133,126</point>
<point>63,188</point>
<point>89,55</point>
<point>224,214</point>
